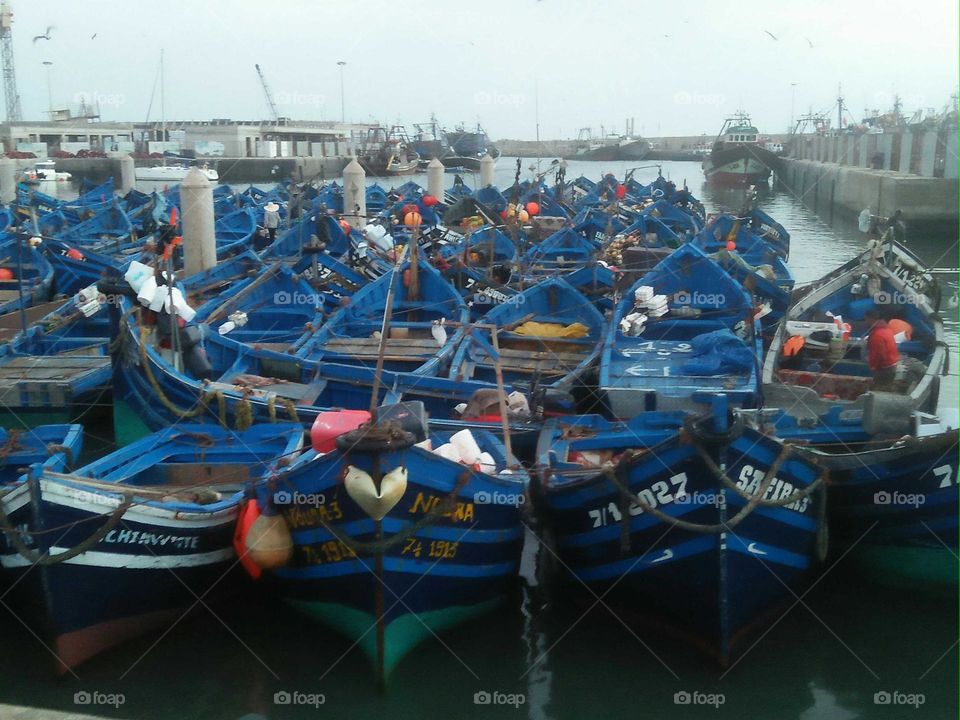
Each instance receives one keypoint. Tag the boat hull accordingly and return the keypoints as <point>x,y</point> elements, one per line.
<point>896,509</point>
<point>155,572</point>
<point>713,588</point>
<point>739,166</point>
<point>388,585</point>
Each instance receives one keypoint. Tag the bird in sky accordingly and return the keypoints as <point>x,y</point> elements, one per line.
<point>45,36</point>
<point>93,37</point>
<point>809,42</point>
<point>771,34</point>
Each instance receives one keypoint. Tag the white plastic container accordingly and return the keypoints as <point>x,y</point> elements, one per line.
<point>465,444</point>
<point>137,274</point>
<point>487,464</point>
<point>448,451</point>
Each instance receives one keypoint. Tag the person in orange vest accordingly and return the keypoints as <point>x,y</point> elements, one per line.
<point>882,353</point>
<point>884,358</point>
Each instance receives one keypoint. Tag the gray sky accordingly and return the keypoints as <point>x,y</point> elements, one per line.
<point>677,67</point>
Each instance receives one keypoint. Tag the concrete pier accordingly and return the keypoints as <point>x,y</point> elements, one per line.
<point>830,188</point>
<point>914,171</point>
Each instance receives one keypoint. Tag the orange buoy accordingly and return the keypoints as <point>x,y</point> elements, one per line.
<point>524,216</point>
<point>533,208</point>
<point>6,274</point>
<point>249,512</point>
<point>74,254</point>
<point>268,543</point>
<point>731,245</point>
<point>412,219</point>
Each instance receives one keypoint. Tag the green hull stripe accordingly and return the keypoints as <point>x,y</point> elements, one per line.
<point>127,425</point>
<point>918,569</point>
<point>400,636</point>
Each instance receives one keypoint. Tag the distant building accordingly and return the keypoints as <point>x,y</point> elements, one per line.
<point>215,138</point>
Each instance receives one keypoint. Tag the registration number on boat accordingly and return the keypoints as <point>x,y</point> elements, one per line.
<point>661,492</point>
<point>439,549</point>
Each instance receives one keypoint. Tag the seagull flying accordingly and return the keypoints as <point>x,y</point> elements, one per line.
<point>93,37</point>
<point>771,35</point>
<point>45,36</point>
<point>808,41</point>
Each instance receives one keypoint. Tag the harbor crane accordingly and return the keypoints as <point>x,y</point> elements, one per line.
<point>266,90</point>
<point>10,94</point>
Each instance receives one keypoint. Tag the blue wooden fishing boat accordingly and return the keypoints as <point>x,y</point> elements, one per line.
<point>564,250</point>
<point>31,275</point>
<point>663,217</point>
<point>830,324</point>
<point>7,219</point>
<point>599,225</point>
<point>108,226</point>
<point>54,447</point>
<point>548,335</point>
<point>692,332</point>
<point>234,231</point>
<point>142,533</point>
<point>272,309</point>
<point>758,236</point>
<point>236,384</point>
<point>59,368</point>
<point>698,527</point>
<point>491,198</point>
<point>397,522</point>
<point>417,342</point>
<point>375,198</point>
<point>75,267</point>
<point>893,483</point>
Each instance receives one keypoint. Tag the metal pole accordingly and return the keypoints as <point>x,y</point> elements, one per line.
<point>23,310</point>
<point>343,111</point>
<point>793,94</point>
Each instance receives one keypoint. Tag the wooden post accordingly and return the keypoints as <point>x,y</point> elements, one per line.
<point>384,331</point>
<point>501,392</point>
<point>413,292</point>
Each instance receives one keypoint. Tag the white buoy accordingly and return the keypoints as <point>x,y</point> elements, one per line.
<point>8,180</point>
<point>486,170</point>
<point>435,179</point>
<point>128,174</point>
<point>196,208</point>
<point>355,195</point>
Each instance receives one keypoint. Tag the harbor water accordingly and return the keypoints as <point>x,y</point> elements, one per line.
<point>845,650</point>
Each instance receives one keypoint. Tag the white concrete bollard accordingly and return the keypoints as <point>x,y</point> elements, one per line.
<point>486,170</point>
<point>355,195</point>
<point>128,174</point>
<point>435,179</point>
<point>197,217</point>
<point>8,180</point>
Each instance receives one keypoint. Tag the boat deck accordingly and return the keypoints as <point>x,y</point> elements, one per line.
<point>44,380</point>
